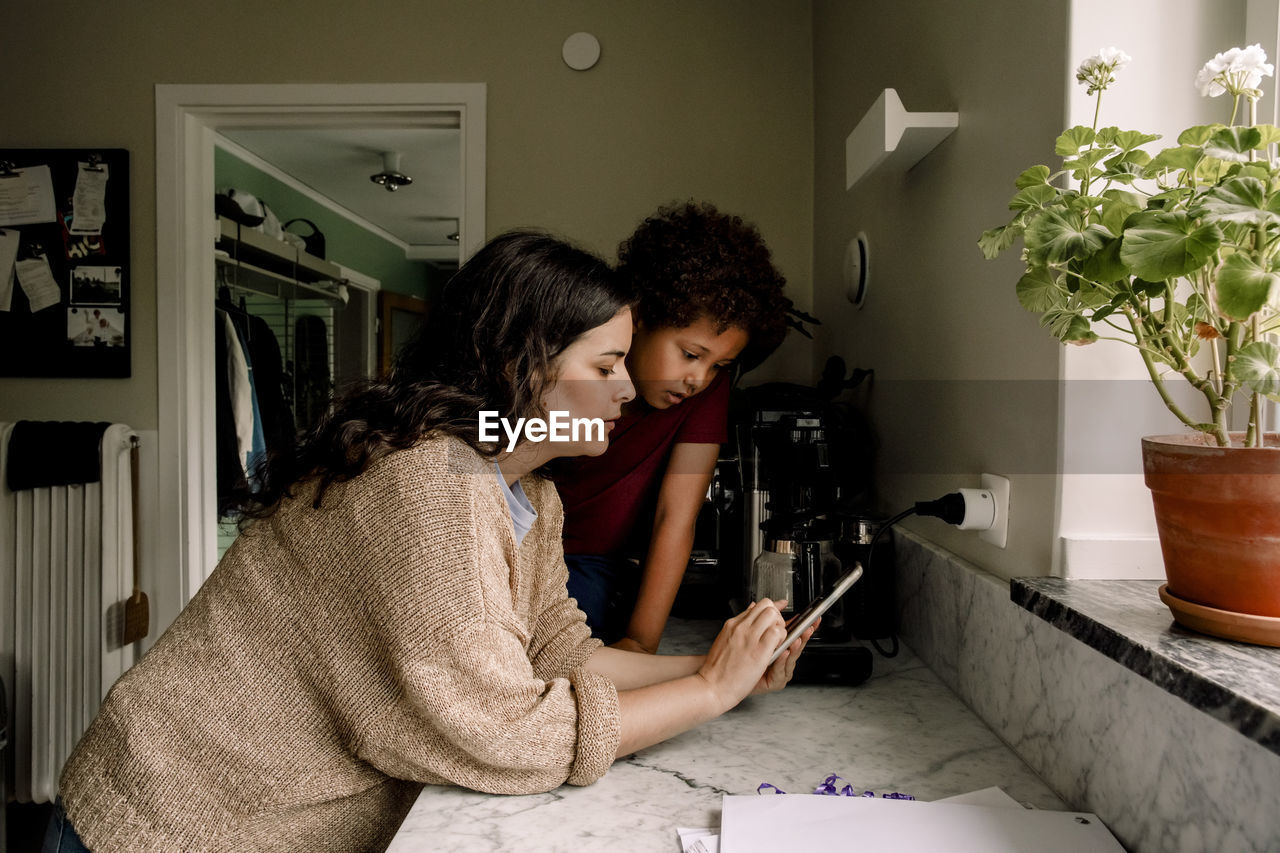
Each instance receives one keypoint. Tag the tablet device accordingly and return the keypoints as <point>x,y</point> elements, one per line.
<point>810,614</point>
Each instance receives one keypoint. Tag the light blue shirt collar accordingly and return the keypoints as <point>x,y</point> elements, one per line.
<point>523,515</point>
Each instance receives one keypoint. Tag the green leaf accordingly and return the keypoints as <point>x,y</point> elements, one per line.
<point>1149,288</point>
<point>1255,364</point>
<point>1240,200</point>
<point>1179,315</point>
<point>1138,158</point>
<point>1034,176</point>
<point>1089,296</point>
<point>1083,205</point>
<point>1159,246</point>
<point>1035,196</point>
<point>1244,287</point>
<point>1116,208</point>
<point>1168,200</point>
<point>1056,238</point>
<point>1212,170</point>
<point>1038,291</point>
<point>1233,143</point>
<point>1198,310</point>
<point>1131,139</point>
<point>1269,133</point>
<point>1255,170</point>
<point>1073,140</point>
<point>1197,135</point>
<point>1087,159</point>
<point>1068,326</point>
<point>1105,266</point>
<point>1123,173</point>
<point>996,240</point>
<point>1180,159</point>
<point>1103,312</point>
<point>1131,198</point>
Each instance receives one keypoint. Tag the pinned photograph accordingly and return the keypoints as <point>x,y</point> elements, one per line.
<point>95,327</point>
<point>95,285</point>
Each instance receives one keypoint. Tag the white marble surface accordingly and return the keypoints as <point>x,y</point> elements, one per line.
<point>1125,620</point>
<point>1162,774</point>
<point>903,730</point>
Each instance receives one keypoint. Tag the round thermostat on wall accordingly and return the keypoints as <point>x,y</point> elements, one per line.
<point>581,51</point>
<point>855,269</point>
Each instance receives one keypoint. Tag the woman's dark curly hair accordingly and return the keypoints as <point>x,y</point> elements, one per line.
<point>689,261</point>
<point>490,343</point>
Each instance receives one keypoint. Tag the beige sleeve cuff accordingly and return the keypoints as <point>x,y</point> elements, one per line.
<point>599,726</point>
<point>562,641</point>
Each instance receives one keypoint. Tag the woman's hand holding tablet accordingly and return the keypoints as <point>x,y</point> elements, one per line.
<point>810,614</point>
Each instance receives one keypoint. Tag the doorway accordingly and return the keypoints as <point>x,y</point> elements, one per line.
<point>187,120</point>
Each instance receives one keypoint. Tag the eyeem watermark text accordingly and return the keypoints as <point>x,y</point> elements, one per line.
<point>560,427</point>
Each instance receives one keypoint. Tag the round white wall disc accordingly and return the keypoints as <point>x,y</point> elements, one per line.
<point>581,51</point>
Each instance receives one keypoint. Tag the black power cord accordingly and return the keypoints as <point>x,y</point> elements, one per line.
<point>950,508</point>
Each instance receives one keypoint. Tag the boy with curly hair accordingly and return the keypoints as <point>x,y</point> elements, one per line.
<point>710,303</point>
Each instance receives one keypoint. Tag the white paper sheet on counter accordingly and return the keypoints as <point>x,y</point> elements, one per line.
<point>698,839</point>
<point>707,839</point>
<point>754,824</point>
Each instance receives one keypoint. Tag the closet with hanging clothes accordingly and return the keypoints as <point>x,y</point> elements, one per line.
<point>282,322</point>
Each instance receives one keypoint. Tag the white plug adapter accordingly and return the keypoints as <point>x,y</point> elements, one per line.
<point>998,533</point>
<point>979,509</point>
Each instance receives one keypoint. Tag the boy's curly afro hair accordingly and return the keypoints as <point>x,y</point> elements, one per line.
<point>689,261</point>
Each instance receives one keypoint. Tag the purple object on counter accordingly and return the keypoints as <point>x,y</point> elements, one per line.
<point>828,789</point>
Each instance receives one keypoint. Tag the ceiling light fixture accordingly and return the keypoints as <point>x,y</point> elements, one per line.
<point>391,177</point>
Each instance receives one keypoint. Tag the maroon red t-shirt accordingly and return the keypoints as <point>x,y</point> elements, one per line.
<point>609,499</point>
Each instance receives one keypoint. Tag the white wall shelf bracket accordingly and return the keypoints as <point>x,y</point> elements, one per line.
<point>890,136</point>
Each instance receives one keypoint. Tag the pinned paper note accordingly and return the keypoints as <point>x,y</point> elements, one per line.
<point>8,254</point>
<point>37,282</point>
<point>89,203</point>
<point>26,196</point>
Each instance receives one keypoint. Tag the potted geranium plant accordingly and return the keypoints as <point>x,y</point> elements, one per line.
<point>1177,253</point>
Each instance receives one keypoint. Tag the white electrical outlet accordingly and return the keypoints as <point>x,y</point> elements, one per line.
<point>998,533</point>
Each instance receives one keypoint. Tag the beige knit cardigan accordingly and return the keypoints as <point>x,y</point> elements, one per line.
<point>339,658</point>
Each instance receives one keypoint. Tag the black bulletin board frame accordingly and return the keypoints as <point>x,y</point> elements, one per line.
<point>81,336</point>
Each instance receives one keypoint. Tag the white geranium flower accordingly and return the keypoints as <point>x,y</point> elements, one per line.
<point>1238,71</point>
<point>1117,58</point>
<point>1098,71</point>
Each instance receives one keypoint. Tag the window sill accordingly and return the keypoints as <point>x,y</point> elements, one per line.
<point>1235,683</point>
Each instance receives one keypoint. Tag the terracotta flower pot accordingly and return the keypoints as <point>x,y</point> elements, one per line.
<point>1218,516</point>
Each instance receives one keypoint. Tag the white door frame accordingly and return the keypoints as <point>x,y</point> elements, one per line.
<point>186,118</point>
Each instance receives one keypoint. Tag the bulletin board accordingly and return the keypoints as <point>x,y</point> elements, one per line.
<point>64,262</point>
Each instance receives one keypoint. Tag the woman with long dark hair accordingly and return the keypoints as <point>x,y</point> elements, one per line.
<point>394,612</point>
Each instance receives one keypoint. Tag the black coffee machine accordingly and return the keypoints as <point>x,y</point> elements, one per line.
<point>805,464</point>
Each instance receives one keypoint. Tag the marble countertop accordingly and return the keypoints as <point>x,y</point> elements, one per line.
<point>902,730</point>
<point>1125,620</point>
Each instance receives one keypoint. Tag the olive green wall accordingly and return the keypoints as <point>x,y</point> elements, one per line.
<point>710,99</point>
<point>965,381</point>
<point>346,243</point>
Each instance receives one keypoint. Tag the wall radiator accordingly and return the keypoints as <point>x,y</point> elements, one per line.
<point>66,565</point>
